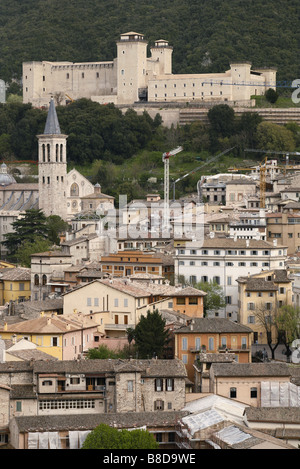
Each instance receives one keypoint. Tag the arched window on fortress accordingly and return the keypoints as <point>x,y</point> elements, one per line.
<point>48,151</point>
<point>44,153</point>
<point>61,152</point>
<point>74,191</point>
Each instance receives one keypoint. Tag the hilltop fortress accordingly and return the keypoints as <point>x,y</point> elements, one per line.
<point>132,77</point>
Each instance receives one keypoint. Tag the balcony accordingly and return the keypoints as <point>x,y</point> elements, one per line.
<point>118,327</point>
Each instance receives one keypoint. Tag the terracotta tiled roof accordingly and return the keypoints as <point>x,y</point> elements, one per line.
<point>213,325</point>
<point>15,274</point>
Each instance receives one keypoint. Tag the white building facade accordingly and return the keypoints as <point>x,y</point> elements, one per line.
<point>223,260</point>
<point>133,76</point>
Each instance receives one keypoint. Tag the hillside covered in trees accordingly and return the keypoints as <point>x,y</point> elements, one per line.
<point>206,35</point>
<point>122,151</point>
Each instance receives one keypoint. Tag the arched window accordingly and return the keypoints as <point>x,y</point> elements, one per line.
<point>44,279</point>
<point>36,280</point>
<point>61,152</point>
<point>44,153</point>
<point>56,152</point>
<point>48,151</point>
<point>74,191</point>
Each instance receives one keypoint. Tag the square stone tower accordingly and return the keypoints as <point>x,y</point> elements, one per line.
<point>131,67</point>
<point>52,167</point>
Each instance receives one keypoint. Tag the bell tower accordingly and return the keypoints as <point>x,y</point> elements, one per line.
<point>52,167</point>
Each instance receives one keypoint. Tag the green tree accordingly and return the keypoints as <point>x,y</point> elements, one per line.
<point>287,321</point>
<point>56,225</point>
<point>106,437</point>
<point>222,120</point>
<point>150,335</point>
<point>27,228</point>
<point>274,137</point>
<point>24,252</point>
<point>214,299</point>
<point>102,352</point>
<point>271,95</point>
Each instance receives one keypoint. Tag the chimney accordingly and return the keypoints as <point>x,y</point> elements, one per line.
<point>48,321</point>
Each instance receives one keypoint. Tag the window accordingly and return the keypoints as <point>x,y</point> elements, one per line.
<point>74,190</point>
<point>193,300</point>
<point>36,280</point>
<point>232,393</point>
<point>116,302</point>
<point>197,343</point>
<point>184,343</point>
<point>89,301</point>
<point>21,286</point>
<point>228,300</point>
<point>158,384</point>
<point>75,381</point>
<point>19,406</point>
<point>96,301</point>
<point>224,342</point>
<point>216,280</point>
<point>44,279</point>
<point>54,341</point>
<point>169,384</point>
<point>158,405</point>
<point>211,345</point>
<point>130,385</point>
<point>253,393</point>
<point>125,302</point>
<point>47,383</point>
<point>250,306</point>
<point>180,301</point>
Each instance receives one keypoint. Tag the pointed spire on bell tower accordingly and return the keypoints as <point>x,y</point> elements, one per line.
<point>52,167</point>
<point>52,125</point>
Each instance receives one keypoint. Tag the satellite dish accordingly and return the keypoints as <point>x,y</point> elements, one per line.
<point>295,343</point>
<point>296,356</point>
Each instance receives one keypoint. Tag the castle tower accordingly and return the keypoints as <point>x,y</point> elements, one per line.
<point>131,67</point>
<point>52,167</point>
<point>162,53</point>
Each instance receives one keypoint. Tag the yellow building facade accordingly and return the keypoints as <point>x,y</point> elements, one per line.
<point>14,285</point>
<point>261,295</point>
